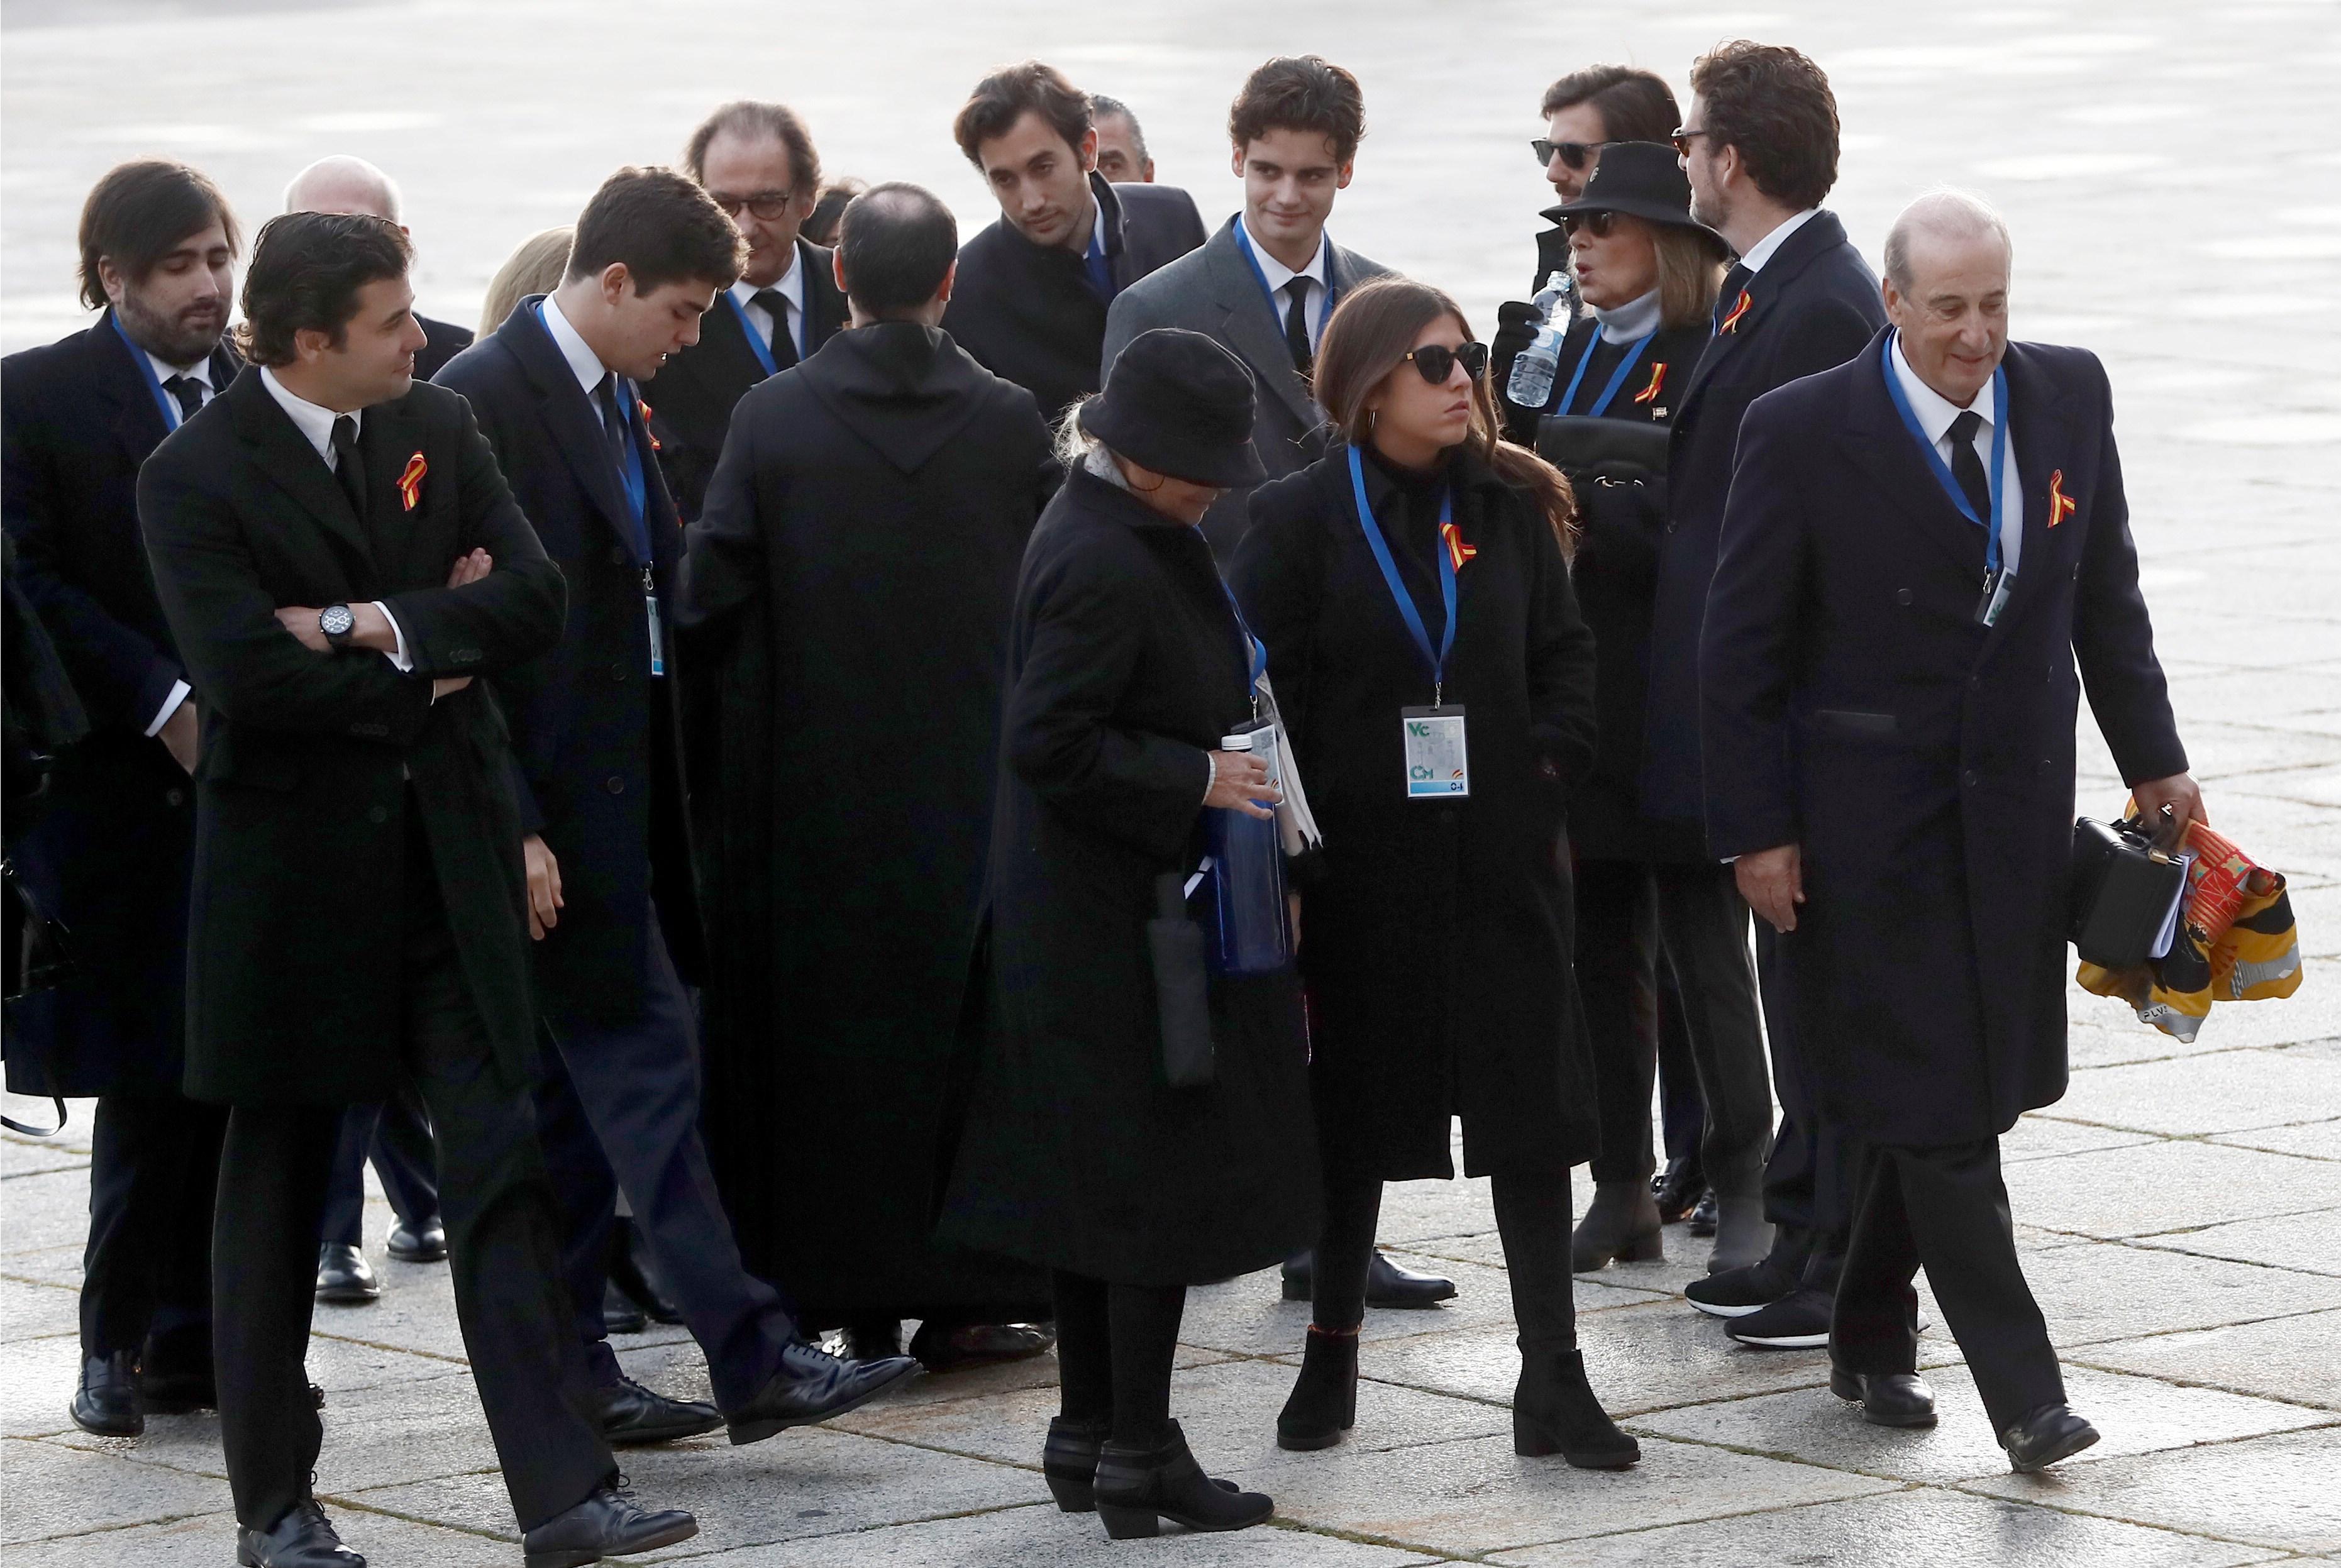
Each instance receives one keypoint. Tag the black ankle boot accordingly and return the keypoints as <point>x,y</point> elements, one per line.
<point>1622,1224</point>
<point>1554,1412</point>
<point>1069,1460</point>
<point>1137,1488</point>
<point>1324,1399</point>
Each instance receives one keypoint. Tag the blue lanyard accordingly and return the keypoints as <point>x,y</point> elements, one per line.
<point>748,330</point>
<point>1609,393</point>
<point>1256,651</point>
<point>163,400</point>
<point>1406,609</point>
<point>1332,291</point>
<point>1943,470</point>
<point>630,472</point>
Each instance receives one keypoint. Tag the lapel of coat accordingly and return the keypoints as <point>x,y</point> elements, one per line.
<point>1821,234</point>
<point>1249,329</point>
<point>569,418</point>
<point>391,439</point>
<point>2042,429</point>
<point>292,465</point>
<point>1884,447</point>
<point>722,360</point>
<point>137,420</point>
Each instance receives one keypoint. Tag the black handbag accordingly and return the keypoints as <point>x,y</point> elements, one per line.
<point>1618,449</point>
<point>2124,882</point>
<point>1182,987</point>
<point>37,960</point>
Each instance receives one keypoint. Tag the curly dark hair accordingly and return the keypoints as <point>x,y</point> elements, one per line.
<point>1635,104</point>
<point>1775,105</point>
<point>138,214</point>
<point>306,273</point>
<point>662,226</point>
<point>1005,96</point>
<point>1300,93</point>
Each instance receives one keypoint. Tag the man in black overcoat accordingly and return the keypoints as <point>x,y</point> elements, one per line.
<point>1029,302</point>
<point>1759,144</point>
<point>339,562</point>
<point>756,162</point>
<point>612,904</point>
<point>847,596</point>
<point>1917,553</point>
<point>109,858</point>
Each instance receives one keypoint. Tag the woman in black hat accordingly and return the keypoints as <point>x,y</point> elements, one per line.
<point>1127,665</point>
<point>1648,275</point>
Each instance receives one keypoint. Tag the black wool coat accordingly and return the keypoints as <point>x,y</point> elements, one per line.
<point>845,602</point>
<point>1435,939</point>
<point>110,857</point>
<point>312,760</point>
<point>597,740</point>
<point>1125,667</point>
<point>1027,312</point>
<point>1854,706</point>
<point>1812,307</point>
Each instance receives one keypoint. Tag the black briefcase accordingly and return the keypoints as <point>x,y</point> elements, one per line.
<point>2123,883</point>
<point>1619,449</point>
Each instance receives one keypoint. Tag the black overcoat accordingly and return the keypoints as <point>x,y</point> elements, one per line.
<point>596,739</point>
<point>1436,942</point>
<point>110,856</point>
<point>311,760</point>
<point>1812,306</point>
<point>1854,706</point>
<point>846,599</point>
<point>1125,667</point>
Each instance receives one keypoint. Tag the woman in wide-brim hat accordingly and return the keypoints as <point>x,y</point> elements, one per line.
<point>1127,664</point>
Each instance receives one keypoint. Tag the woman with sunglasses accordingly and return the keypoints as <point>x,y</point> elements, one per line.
<point>1434,673</point>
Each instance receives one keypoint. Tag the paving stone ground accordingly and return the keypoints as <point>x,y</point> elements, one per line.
<point>2175,196</point>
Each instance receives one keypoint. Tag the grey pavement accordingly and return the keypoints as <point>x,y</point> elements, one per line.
<point>2175,190</point>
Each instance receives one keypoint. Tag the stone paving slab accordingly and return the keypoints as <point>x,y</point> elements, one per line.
<point>2162,1186</point>
<point>2312,1140</point>
<point>2268,1088</point>
<point>2274,1491</point>
<point>1038,1536</point>
<point>53,1490</point>
<point>210,1539</point>
<point>2302,1243</point>
<point>2105,1291</point>
<point>2293,1358</point>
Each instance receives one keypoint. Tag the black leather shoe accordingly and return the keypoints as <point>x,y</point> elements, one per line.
<point>872,1341</point>
<point>344,1278</point>
<point>940,1350</point>
<point>632,1415</point>
<point>106,1403</point>
<point>606,1524</point>
<point>1137,1488</point>
<point>2046,1435</point>
<point>630,1274</point>
<point>425,1242</point>
<point>1387,1284</point>
<point>1798,1321</point>
<point>1677,1188</point>
<point>620,1316</point>
<point>1323,1403</point>
<point>304,1538</point>
<point>814,1385</point>
<point>1886,1398</point>
<point>1738,1292</point>
<point>1704,1217</point>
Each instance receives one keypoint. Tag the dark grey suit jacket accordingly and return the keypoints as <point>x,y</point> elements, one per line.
<point>1215,291</point>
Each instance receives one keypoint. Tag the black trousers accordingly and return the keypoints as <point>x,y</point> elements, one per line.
<point>1628,914</point>
<point>395,1134</point>
<point>1945,1209</point>
<point>619,1109</point>
<point>147,1270</point>
<point>1812,1177</point>
<point>1531,1216</point>
<point>1682,1111</point>
<point>1115,1347</point>
<point>504,1246</point>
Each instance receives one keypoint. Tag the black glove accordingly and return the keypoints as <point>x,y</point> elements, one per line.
<point>1516,327</point>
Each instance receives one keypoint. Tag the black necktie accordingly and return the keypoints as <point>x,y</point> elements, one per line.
<point>1967,467</point>
<point>1296,324</point>
<point>348,466</point>
<point>1734,281</point>
<point>190,393</point>
<point>614,423</point>
<point>784,343</point>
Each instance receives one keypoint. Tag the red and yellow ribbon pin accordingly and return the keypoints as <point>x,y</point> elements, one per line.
<point>410,484</point>
<point>1731,322</point>
<point>646,425</point>
<point>2060,505</point>
<point>1457,551</point>
<point>1657,380</point>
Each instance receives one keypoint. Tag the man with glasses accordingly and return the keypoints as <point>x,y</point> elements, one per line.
<point>757,161</point>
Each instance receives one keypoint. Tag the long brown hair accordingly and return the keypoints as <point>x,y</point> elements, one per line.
<point>1371,333</point>
<point>1690,275</point>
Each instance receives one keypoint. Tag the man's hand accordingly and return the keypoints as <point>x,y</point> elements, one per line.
<point>543,887</point>
<point>447,686</point>
<point>182,734</point>
<point>301,621</point>
<point>1773,882</point>
<point>1238,779</point>
<point>470,568</point>
<point>2178,792</point>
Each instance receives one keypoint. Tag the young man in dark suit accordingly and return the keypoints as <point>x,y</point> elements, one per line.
<point>1919,547</point>
<point>1032,292</point>
<point>110,857</point>
<point>756,162</point>
<point>612,903</point>
<point>339,562</point>
<point>1759,144</point>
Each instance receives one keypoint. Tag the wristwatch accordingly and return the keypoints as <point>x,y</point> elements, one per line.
<point>336,622</point>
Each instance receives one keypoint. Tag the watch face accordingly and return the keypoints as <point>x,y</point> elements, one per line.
<point>336,621</point>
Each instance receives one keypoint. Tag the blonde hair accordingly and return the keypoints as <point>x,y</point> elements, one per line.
<point>535,268</point>
<point>1690,274</point>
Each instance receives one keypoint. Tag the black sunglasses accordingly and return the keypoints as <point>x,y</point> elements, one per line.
<point>1683,137</point>
<point>1576,154</point>
<point>1597,224</point>
<point>1437,361</point>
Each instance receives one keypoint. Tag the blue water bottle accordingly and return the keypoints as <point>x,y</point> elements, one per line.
<point>1248,876</point>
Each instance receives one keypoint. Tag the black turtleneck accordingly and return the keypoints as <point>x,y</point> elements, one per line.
<point>1406,503</point>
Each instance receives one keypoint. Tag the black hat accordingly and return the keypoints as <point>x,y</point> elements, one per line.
<point>1643,180</point>
<point>1181,404</point>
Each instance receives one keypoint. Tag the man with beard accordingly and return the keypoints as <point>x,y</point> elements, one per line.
<point>110,859</point>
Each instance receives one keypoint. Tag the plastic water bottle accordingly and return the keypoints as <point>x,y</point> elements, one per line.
<point>1535,366</point>
<point>1247,878</point>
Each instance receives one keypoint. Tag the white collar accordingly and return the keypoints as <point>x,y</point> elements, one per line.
<point>790,285</point>
<point>1761,251</point>
<point>314,423</point>
<point>201,370</point>
<point>1097,224</point>
<point>1277,273</point>
<point>583,363</point>
<point>1634,318</point>
<point>1934,411</point>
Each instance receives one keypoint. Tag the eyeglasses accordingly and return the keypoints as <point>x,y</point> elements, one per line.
<point>1683,137</point>
<point>766,204</point>
<point>1437,361</point>
<point>1597,224</point>
<point>1575,154</point>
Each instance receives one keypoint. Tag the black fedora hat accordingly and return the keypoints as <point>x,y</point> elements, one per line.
<point>1181,404</point>
<point>1643,180</point>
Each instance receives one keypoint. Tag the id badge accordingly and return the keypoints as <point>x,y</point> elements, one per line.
<point>1438,766</point>
<point>1995,597</point>
<point>658,643</point>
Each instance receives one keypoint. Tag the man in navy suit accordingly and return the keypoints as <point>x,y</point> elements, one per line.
<point>110,858</point>
<point>1759,144</point>
<point>1919,547</point>
<point>596,739</point>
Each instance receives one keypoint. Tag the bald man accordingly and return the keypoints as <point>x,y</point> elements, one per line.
<point>1920,548</point>
<point>342,183</point>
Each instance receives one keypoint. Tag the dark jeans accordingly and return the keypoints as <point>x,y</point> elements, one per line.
<point>1115,1346</point>
<point>147,1270</point>
<point>395,1134</point>
<point>1532,1218</point>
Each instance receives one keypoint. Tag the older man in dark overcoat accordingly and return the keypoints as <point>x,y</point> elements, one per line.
<point>1920,546</point>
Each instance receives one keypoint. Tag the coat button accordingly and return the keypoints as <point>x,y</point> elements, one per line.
<point>175,797</point>
<point>617,672</point>
<point>1969,779</point>
<point>378,815</point>
<point>614,785</point>
<point>1902,596</point>
<point>617,555</point>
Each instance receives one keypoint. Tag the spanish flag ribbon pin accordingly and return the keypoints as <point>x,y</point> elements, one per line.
<point>2060,505</point>
<point>1657,380</point>
<point>1457,551</point>
<point>410,484</point>
<point>1740,309</point>
<point>655,446</point>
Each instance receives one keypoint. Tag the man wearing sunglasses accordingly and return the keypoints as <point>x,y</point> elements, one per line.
<point>758,164</point>
<point>1584,111</point>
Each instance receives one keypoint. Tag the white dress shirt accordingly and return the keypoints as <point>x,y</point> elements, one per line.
<point>200,372</point>
<point>1762,250</point>
<point>1934,414</point>
<point>315,424</point>
<point>1279,275</point>
<point>791,288</point>
<point>576,352</point>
